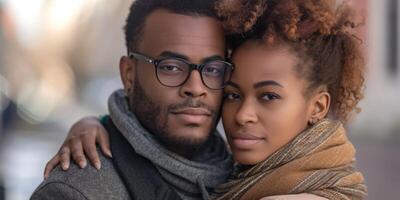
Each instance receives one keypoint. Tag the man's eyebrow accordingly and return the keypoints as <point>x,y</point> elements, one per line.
<point>173,54</point>
<point>181,56</point>
<point>267,83</point>
<point>212,58</point>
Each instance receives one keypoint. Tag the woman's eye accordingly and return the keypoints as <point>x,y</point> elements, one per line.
<point>270,96</point>
<point>231,96</point>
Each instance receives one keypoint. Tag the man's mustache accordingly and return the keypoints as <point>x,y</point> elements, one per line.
<point>191,103</point>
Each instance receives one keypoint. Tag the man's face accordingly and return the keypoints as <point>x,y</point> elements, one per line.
<point>181,116</point>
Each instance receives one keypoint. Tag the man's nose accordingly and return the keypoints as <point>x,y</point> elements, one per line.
<point>194,86</point>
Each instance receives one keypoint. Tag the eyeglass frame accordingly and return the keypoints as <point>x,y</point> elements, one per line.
<point>192,66</point>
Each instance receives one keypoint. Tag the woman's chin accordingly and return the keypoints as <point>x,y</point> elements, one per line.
<point>248,158</point>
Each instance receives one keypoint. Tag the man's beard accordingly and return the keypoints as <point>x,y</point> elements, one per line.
<point>154,118</point>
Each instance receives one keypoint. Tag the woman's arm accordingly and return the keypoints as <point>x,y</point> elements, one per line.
<point>80,142</point>
<point>303,196</point>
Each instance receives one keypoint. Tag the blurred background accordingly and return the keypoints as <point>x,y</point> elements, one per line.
<point>59,62</point>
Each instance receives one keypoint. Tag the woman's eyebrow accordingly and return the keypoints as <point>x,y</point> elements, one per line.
<point>233,84</point>
<point>267,83</point>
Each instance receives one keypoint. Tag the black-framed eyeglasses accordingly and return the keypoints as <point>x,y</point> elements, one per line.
<point>174,72</point>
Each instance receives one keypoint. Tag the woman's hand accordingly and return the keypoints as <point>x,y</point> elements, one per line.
<point>80,142</point>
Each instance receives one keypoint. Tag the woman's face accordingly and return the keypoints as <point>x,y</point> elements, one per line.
<point>264,105</point>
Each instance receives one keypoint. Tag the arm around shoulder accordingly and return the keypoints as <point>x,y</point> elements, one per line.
<point>303,196</point>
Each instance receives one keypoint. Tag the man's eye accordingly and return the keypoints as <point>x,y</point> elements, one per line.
<point>213,71</point>
<point>170,68</point>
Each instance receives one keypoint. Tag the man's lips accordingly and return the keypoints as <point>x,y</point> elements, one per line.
<point>244,140</point>
<point>193,111</point>
<point>192,115</point>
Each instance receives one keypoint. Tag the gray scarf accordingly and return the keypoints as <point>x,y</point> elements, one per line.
<point>190,179</point>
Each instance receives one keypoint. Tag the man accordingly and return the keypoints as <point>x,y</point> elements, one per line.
<point>162,125</point>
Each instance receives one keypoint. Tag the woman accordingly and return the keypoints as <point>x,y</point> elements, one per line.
<point>298,78</point>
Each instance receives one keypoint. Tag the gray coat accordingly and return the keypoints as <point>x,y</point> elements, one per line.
<point>88,183</point>
<point>128,175</point>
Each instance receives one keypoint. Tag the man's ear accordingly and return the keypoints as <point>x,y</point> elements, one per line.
<point>127,72</point>
<point>320,104</point>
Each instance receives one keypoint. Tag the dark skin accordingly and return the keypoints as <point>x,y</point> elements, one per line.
<point>197,39</point>
<point>264,96</point>
<point>266,104</point>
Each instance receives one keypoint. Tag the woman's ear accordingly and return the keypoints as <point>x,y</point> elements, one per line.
<point>320,103</point>
<point>127,72</point>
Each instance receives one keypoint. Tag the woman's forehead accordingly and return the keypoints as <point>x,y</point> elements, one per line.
<point>260,58</point>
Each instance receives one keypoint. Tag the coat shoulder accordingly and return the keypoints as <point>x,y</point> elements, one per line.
<point>88,183</point>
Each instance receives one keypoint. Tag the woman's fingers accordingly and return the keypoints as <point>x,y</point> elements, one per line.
<point>103,140</point>
<point>51,165</point>
<point>64,155</point>
<point>89,146</point>
<point>81,143</point>
<point>77,153</point>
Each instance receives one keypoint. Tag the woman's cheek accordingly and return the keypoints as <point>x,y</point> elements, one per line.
<point>228,116</point>
<point>226,109</point>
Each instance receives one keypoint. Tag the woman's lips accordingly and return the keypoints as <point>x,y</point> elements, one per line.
<point>244,141</point>
<point>193,115</point>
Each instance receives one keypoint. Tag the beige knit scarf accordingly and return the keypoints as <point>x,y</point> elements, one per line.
<point>318,161</point>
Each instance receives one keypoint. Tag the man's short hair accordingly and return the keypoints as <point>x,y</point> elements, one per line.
<point>140,9</point>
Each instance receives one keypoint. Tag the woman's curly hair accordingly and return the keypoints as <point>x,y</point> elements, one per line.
<point>318,31</point>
